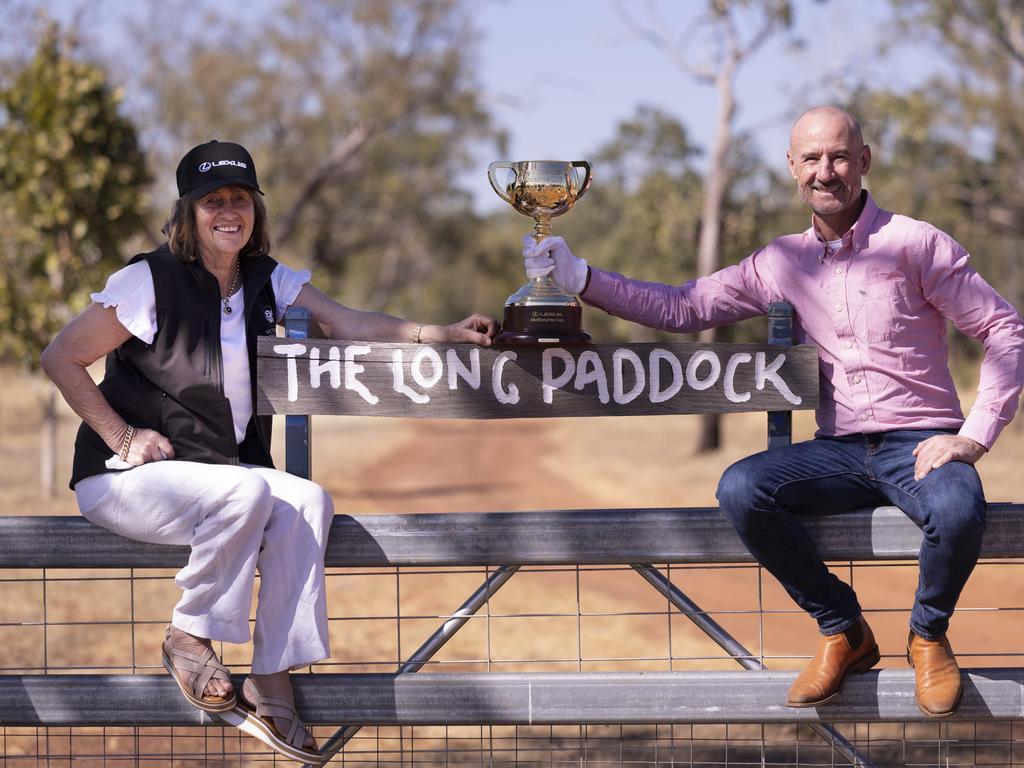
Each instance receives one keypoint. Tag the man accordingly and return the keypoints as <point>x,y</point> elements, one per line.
<point>872,290</point>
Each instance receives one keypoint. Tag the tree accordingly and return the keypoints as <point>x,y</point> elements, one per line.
<point>951,151</point>
<point>712,52</point>
<point>644,210</point>
<point>359,115</point>
<point>977,115</point>
<point>70,195</point>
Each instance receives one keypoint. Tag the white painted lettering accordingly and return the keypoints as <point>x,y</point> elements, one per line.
<point>292,351</point>
<point>352,368</point>
<point>589,370</point>
<point>729,382</point>
<point>763,373</point>
<point>457,369</point>
<point>437,366</point>
<point>398,380</point>
<point>332,367</point>
<point>692,367</point>
<point>657,356</point>
<point>549,382</point>
<point>619,356</point>
<point>505,397</point>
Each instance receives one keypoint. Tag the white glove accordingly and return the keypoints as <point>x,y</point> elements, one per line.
<point>552,255</point>
<point>536,266</point>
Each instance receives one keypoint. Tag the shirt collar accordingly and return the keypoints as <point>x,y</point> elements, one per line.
<point>857,235</point>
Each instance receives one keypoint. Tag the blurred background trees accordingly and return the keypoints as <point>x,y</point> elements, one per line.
<point>952,152</point>
<point>359,116</point>
<point>713,51</point>
<point>72,191</point>
<point>364,116</point>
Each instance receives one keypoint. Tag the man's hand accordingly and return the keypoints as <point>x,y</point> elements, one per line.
<point>475,329</point>
<point>942,449</point>
<point>552,255</point>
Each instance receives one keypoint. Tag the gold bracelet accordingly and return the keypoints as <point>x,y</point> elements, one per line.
<point>126,443</point>
<point>416,334</point>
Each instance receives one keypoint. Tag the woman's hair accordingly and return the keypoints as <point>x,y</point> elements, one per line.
<point>180,229</point>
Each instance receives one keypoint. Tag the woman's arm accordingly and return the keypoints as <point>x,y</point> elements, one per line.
<point>336,321</point>
<point>88,337</point>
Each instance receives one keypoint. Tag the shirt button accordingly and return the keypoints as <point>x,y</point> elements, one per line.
<point>848,345</point>
<point>865,417</point>
<point>839,270</point>
<point>856,379</point>
<point>839,307</point>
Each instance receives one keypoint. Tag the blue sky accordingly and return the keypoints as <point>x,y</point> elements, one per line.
<point>559,75</point>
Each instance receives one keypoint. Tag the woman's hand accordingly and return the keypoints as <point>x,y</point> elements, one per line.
<point>149,445</point>
<point>475,329</point>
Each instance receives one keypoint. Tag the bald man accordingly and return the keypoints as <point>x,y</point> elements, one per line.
<point>872,291</point>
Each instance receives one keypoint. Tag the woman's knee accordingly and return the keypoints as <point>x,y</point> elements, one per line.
<point>249,498</point>
<point>319,508</point>
<point>308,502</point>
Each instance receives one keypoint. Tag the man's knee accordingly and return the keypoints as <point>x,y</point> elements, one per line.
<point>738,488</point>
<point>955,504</point>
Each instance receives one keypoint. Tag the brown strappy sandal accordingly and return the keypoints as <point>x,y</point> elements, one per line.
<point>259,711</point>
<point>198,670</point>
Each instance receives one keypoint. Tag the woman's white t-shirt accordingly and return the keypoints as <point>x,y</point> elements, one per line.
<point>130,290</point>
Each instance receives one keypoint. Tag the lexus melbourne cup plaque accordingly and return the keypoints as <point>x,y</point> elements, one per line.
<point>539,312</point>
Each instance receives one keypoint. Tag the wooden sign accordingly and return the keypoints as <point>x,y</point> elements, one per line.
<point>315,376</point>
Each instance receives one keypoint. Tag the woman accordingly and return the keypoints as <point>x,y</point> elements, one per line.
<point>170,450</point>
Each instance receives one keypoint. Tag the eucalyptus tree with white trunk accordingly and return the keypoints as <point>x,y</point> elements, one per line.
<point>712,50</point>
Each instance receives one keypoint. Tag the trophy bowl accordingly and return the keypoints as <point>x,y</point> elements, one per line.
<point>540,312</point>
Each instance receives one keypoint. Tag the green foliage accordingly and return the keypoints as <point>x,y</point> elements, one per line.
<point>69,193</point>
<point>360,115</point>
<point>952,152</point>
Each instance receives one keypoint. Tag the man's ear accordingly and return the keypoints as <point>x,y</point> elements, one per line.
<point>789,161</point>
<point>865,160</point>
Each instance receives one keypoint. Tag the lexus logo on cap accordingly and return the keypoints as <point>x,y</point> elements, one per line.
<point>204,167</point>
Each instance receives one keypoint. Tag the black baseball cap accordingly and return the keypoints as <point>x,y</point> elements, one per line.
<point>213,165</point>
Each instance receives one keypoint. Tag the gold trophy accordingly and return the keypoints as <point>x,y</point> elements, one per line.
<point>539,312</point>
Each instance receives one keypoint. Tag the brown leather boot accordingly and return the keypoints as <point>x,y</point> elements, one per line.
<point>853,650</point>
<point>937,688</point>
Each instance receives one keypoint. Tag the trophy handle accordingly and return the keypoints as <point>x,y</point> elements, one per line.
<point>586,176</point>
<point>491,177</point>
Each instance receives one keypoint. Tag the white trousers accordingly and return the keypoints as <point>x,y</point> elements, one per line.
<point>237,519</point>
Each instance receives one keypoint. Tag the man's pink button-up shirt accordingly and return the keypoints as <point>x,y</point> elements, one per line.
<point>876,309</point>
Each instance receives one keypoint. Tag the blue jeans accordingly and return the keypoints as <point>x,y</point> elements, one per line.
<point>764,495</point>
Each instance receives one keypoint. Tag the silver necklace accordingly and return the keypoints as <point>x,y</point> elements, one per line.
<point>231,290</point>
